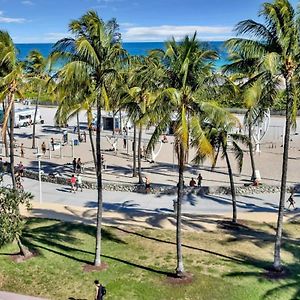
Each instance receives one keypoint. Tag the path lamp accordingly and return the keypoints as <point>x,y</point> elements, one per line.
<point>40,174</point>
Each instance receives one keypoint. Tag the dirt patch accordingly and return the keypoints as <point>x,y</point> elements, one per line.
<point>19,258</point>
<point>92,268</point>
<point>186,279</point>
<point>273,274</point>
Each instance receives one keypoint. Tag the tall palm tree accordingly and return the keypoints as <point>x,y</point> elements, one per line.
<point>274,46</point>
<point>222,137</point>
<point>139,98</point>
<point>186,67</point>
<point>11,75</point>
<point>38,70</point>
<point>91,55</point>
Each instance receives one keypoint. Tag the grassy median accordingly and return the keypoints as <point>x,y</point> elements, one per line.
<point>225,263</point>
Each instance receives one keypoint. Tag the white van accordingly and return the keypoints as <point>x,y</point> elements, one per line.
<point>25,117</point>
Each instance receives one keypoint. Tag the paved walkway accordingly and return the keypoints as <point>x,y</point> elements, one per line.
<point>148,210</point>
<point>13,296</point>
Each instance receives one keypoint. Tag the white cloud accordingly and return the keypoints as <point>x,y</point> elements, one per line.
<point>163,32</point>
<point>10,20</point>
<point>55,36</point>
<point>27,2</point>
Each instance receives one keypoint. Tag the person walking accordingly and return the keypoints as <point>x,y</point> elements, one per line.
<point>44,148</point>
<point>78,166</point>
<point>291,200</point>
<point>199,179</point>
<point>22,150</point>
<point>21,169</point>
<point>73,183</point>
<point>100,290</point>
<point>74,163</point>
<point>79,183</point>
<point>52,143</point>
<point>192,182</point>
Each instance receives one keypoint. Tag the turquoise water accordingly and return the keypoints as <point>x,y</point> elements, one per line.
<point>140,48</point>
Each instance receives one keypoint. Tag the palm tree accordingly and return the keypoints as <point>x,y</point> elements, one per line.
<point>139,98</point>
<point>274,46</point>
<point>37,70</point>
<point>186,68</point>
<point>222,137</point>
<point>11,73</point>
<point>91,56</point>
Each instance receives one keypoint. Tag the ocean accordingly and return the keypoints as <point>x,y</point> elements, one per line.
<point>140,48</point>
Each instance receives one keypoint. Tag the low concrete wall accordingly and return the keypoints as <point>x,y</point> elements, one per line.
<point>159,188</point>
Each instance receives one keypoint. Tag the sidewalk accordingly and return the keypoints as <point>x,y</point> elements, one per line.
<point>13,296</point>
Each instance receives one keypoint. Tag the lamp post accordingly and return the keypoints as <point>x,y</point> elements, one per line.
<point>40,175</point>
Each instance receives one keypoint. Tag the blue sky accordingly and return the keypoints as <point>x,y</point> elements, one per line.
<point>41,21</point>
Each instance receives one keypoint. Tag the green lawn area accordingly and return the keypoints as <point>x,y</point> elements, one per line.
<point>226,264</point>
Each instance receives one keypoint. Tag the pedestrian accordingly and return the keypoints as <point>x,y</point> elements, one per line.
<point>291,200</point>
<point>84,136</point>
<point>21,169</point>
<point>44,148</point>
<point>199,179</point>
<point>73,183</point>
<point>147,185</point>
<point>164,139</point>
<point>78,166</point>
<point>124,138</point>
<point>1,166</point>
<point>52,143</point>
<point>75,129</point>
<point>192,182</point>
<point>79,182</point>
<point>74,163</point>
<point>22,150</point>
<point>100,290</point>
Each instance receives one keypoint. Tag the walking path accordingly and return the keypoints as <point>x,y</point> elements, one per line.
<point>148,210</point>
<point>13,296</point>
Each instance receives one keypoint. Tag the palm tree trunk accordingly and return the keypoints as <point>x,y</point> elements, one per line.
<point>179,268</point>
<point>277,248</point>
<point>134,151</point>
<point>120,121</point>
<point>114,123</point>
<point>97,261</point>
<point>23,249</point>
<point>232,188</point>
<point>11,142</point>
<point>78,127</point>
<point>253,177</point>
<point>5,140</point>
<point>93,147</point>
<point>34,119</point>
<point>140,154</point>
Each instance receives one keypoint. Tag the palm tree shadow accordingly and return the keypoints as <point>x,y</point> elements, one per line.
<point>53,237</point>
<point>291,274</point>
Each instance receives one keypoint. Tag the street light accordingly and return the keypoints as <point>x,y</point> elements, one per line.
<point>40,174</point>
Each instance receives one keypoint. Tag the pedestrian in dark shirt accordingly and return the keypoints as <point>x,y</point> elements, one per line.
<point>74,163</point>
<point>100,290</point>
<point>291,200</point>
<point>199,179</point>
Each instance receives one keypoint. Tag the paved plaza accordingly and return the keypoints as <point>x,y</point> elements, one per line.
<point>164,170</point>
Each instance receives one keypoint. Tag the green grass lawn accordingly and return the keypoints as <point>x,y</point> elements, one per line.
<point>226,264</point>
